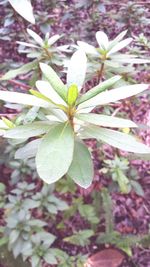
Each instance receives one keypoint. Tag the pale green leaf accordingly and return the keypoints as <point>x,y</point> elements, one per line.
<point>53,39</point>
<point>114,95</point>
<point>50,258</point>
<point>28,151</point>
<point>106,121</point>
<point>22,70</point>
<point>118,38</point>
<point>24,99</point>
<point>54,80</point>
<point>117,139</point>
<point>36,37</point>
<point>47,90</point>
<point>88,49</point>
<point>119,46</point>
<point>81,168</point>
<point>24,8</point>
<point>99,88</point>
<point>28,130</point>
<point>55,153</point>
<point>77,69</point>
<point>102,40</point>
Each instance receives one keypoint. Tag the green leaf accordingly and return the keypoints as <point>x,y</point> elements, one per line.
<point>105,121</point>
<point>77,69</point>
<point>119,46</point>
<point>72,94</point>
<point>98,89</point>
<point>23,99</point>
<point>81,168</point>
<point>114,95</point>
<point>137,188</point>
<point>22,70</point>
<point>2,188</point>
<point>54,80</point>
<point>80,238</point>
<point>8,123</point>
<point>55,153</point>
<point>117,139</point>
<point>123,182</point>
<point>24,8</point>
<point>28,130</point>
<point>50,258</point>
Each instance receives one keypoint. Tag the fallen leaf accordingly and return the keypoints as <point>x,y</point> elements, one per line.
<point>105,258</point>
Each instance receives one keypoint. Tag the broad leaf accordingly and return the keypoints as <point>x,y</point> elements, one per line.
<point>28,130</point>
<point>22,70</point>
<point>54,80</point>
<point>28,151</point>
<point>99,88</point>
<point>24,99</point>
<point>81,168</point>
<point>77,69</point>
<point>105,121</point>
<point>117,139</point>
<point>55,153</point>
<point>24,8</point>
<point>114,95</point>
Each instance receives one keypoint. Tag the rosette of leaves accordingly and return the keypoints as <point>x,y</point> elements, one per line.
<point>38,49</point>
<point>107,56</point>
<point>59,149</point>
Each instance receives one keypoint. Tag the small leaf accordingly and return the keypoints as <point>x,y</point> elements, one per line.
<point>53,39</point>
<point>50,258</point>
<point>81,168</point>
<point>8,123</point>
<point>28,151</point>
<point>72,94</point>
<point>36,37</point>
<point>119,46</point>
<point>55,153</point>
<point>117,139</point>
<point>54,80</point>
<point>77,69</point>
<point>88,49</point>
<point>105,121</point>
<point>24,8</point>
<point>102,40</point>
<point>22,70</point>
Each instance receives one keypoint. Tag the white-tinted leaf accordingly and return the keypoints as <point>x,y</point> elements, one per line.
<point>118,38</point>
<point>22,70</point>
<point>36,37</point>
<point>114,95</point>
<point>106,121</point>
<point>77,69</point>
<point>24,99</point>
<point>81,168</point>
<point>53,39</point>
<point>88,49</point>
<point>120,46</point>
<point>46,89</point>
<point>50,258</point>
<point>27,44</point>
<point>55,153</point>
<point>28,130</point>
<point>54,80</point>
<point>3,125</point>
<point>28,151</point>
<point>102,40</point>
<point>132,60</point>
<point>99,88</point>
<point>24,8</point>
<point>117,139</point>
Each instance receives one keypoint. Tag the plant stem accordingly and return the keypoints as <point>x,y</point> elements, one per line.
<point>100,74</point>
